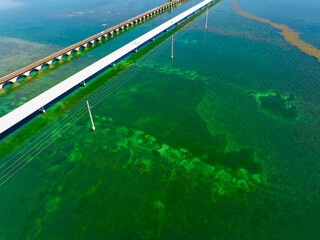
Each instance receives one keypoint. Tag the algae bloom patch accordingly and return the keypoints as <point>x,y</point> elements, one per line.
<point>277,106</point>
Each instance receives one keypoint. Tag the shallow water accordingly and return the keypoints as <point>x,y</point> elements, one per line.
<point>222,142</point>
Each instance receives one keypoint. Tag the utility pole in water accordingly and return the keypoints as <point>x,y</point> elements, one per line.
<point>206,26</point>
<point>93,128</point>
<point>172,47</point>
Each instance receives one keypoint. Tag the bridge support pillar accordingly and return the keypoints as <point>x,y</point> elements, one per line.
<point>38,68</point>
<point>42,110</point>
<point>13,80</point>
<point>27,73</point>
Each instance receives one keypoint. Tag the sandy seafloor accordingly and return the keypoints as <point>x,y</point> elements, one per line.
<point>222,142</point>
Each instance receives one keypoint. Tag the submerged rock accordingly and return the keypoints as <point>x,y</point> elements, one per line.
<point>242,184</point>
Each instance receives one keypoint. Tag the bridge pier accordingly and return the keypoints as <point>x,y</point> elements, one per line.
<point>38,68</point>
<point>88,44</point>
<point>51,61</point>
<point>27,73</point>
<point>13,80</point>
<point>42,110</point>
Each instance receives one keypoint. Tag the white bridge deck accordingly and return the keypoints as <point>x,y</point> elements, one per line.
<point>19,114</point>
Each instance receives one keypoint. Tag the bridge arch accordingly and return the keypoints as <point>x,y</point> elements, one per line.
<point>44,66</point>
<point>74,51</point>
<point>33,72</point>
<point>65,56</point>
<point>20,78</point>
<point>55,61</point>
<point>6,85</point>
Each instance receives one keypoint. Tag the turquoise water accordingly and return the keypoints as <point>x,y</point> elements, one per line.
<point>222,142</point>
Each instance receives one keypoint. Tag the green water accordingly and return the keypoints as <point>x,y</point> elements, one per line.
<point>222,142</point>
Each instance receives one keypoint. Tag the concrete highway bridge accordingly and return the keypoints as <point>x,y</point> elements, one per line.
<point>10,121</point>
<point>60,55</point>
